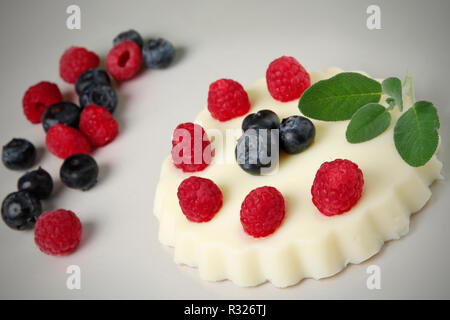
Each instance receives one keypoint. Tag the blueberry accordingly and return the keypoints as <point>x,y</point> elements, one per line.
<point>100,95</point>
<point>263,119</point>
<point>79,171</point>
<point>158,53</point>
<point>296,134</point>
<point>18,154</point>
<point>90,78</point>
<point>38,182</point>
<point>257,150</point>
<point>66,113</point>
<point>20,210</point>
<point>132,35</point>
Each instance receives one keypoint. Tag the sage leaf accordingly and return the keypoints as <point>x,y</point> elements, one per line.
<point>393,87</point>
<point>367,123</point>
<point>339,97</point>
<point>416,133</point>
<point>391,103</point>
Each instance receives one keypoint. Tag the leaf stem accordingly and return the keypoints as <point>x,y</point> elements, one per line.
<point>408,84</point>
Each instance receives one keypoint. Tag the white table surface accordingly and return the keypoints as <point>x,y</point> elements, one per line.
<point>120,256</point>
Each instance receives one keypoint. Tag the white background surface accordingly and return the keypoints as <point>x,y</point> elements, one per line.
<point>120,256</point>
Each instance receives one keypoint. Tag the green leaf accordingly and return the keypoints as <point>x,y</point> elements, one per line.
<point>393,87</point>
<point>339,97</point>
<point>391,103</point>
<point>416,133</point>
<point>367,123</point>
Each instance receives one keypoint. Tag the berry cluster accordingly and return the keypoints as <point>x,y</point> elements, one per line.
<point>72,133</point>
<point>264,136</point>
<point>337,186</point>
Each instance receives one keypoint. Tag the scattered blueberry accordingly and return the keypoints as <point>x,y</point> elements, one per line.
<point>90,78</point>
<point>20,210</point>
<point>158,53</point>
<point>18,154</point>
<point>132,35</point>
<point>263,119</point>
<point>257,150</point>
<point>100,95</point>
<point>66,113</point>
<point>79,171</point>
<point>296,134</point>
<point>38,182</point>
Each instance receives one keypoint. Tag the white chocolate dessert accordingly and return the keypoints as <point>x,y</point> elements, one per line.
<point>307,244</point>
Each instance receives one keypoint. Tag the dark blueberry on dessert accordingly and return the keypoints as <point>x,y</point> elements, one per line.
<point>66,113</point>
<point>132,35</point>
<point>158,53</point>
<point>263,119</point>
<point>296,134</point>
<point>20,210</point>
<point>100,95</point>
<point>79,171</point>
<point>37,182</point>
<point>90,78</point>
<point>18,154</point>
<point>257,151</point>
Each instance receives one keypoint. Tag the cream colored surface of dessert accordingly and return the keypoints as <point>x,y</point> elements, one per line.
<point>307,244</point>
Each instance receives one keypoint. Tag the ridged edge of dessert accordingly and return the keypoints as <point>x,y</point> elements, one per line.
<point>288,265</point>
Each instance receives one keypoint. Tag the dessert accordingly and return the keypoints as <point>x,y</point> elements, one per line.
<point>307,243</point>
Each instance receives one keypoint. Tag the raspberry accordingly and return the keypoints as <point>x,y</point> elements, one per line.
<point>64,141</point>
<point>262,211</point>
<point>38,98</point>
<point>75,61</point>
<point>286,79</point>
<point>337,187</point>
<point>199,198</point>
<point>227,99</point>
<point>58,232</point>
<point>124,60</point>
<point>197,143</point>
<point>98,125</point>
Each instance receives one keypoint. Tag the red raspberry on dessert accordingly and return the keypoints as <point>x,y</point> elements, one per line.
<point>75,61</point>
<point>38,98</point>
<point>191,148</point>
<point>64,141</point>
<point>200,199</point>
<point>58,232</point>
<point>337,187</point>
<point>98,125</point>
<point>124,60</point>
<point>262,211</point>
<point>287,79</point>
<point>227,99</point>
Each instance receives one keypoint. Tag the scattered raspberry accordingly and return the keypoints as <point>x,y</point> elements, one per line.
<point>197,144</point>
<point>64,141</point>
<point>199,198</point>
<point>227,99</point>
<point>337,187</point>
<point>286,79</point>
<point>75,61</point>
<point>262,211</point>
<point>124,60</point>
<point>38,98</point>
<point>58,232</point>
<point>98,125</point>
